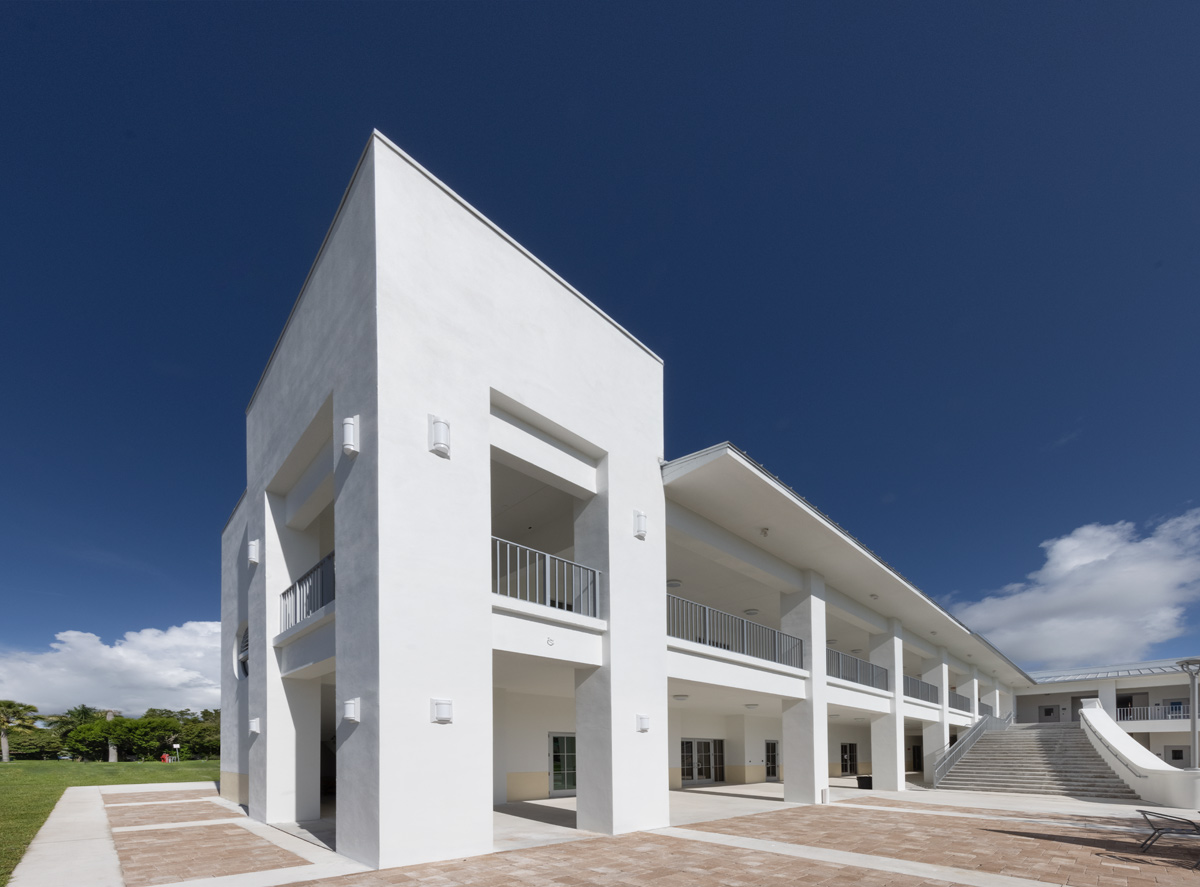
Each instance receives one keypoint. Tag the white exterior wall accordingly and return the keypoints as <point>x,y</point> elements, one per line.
<point>465,312</point>
<point>235,692</point>
<point>524,723</point>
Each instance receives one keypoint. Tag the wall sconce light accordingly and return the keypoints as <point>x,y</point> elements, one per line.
<point>350,710</point>
<point>254,725</point>
<point>441,711</point>
<point>680,697</point>
<point>751,705</point>
<point>350,435</point>
<point>643,723</point>
<point>252,552</point>
<point>439,437</point>
<point>640,524</point>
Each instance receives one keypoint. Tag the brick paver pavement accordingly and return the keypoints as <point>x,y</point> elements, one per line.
<point>1057,854</point>
<point>636,860</point>
<point>164,856</point>
<point>1121,817</point>
<point>160,814</point>
<point>187,794</point>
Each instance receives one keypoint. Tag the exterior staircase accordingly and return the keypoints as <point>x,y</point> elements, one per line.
<point>1041,759</point>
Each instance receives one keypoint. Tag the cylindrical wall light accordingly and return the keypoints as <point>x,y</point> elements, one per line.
<point>350,710</point>
<point>640,523</point>
<point>350,435</point>
<point>254,725</point>
<point>439,436</point>
<point>252,552</point>
<point>441,711</point>
<point>643,723</point>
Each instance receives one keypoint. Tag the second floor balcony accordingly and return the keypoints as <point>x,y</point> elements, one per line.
<point>859,671</point>
<point>309,593</point>
<point>1172,712</point>
<point>690,621</point>
<point>959,702</point>
<point>540,578</point>
<point>918,689</point>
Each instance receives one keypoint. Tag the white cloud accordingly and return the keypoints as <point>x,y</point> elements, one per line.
<point>177,668</point>
<point>1104,595</point>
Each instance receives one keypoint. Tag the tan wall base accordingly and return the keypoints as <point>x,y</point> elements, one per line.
<point>676,777</point>
<point>755,773</point>
<point>235,787</point>
<point>835,769</point>
<point>528,786</point>
<point>735,774</point>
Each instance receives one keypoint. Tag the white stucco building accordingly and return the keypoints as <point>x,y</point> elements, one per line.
<point>462,572</point>
<point>1149,700</point>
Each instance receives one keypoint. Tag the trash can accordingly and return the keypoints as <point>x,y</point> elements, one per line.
<point>864,781</point>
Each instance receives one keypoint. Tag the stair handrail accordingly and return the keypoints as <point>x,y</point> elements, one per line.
<point>986,724</point>
<point>1116,754</point>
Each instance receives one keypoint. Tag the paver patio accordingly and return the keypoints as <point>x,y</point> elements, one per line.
<point>165,837</point>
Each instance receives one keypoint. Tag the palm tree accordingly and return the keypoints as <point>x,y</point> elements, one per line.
<point>72,718</point>
<point>16,715</point>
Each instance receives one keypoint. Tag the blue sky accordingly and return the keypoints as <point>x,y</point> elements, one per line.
<point>935,265</point>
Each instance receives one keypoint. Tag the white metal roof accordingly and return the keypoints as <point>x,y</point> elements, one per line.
<point>1102,672</point>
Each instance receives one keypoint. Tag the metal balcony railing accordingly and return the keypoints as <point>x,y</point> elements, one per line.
<point>958,701</point>
<point>540,578</point>
<point>1155,713</point>
<point>985,709</point>
<point>690,621</point>
<point>849,668</point>
<point>919,689</point>
<point>308,594</point>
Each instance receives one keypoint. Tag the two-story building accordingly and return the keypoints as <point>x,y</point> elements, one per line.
<point>463,573</point>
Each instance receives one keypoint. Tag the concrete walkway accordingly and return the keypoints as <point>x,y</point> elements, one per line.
<point>185,834</point>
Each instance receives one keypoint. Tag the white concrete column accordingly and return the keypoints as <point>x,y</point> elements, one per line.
<point>887,731</point>
<point>992,698</point>
<point>1108,697</point>
<point>304,704</point>
<point>970,689</point>
<point>805,741</point>
<point>935,736</point>
<point>622,772</point>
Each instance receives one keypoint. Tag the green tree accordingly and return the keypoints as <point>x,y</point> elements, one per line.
<point>72,718</point>
<point>34,745</point>
<point>201,739</point>
<point>14,716</point>
<point>90,740</point>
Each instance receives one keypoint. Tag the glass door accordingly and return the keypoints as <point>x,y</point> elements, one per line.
<point>772,760</point>
<point>849,758</point>
<point>702,760</point>
<point>562,764</point>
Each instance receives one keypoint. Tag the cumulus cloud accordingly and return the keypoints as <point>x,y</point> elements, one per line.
<point>1105,594</point>
<point>177,668</point>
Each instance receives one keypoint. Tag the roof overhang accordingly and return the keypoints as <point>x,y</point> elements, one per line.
<point>728,488</point>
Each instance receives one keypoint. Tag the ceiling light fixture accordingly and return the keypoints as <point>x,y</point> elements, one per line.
<point>831,641</point>
<point>752,705</point>
<point>874,597</point>
<point>680,697</point>
<point>751,612</point>
<point>674,583</point>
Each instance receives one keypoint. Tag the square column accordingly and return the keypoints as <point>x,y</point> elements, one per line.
<point>887,731</point>
<point>1108,697</point>
<point>805,738</point>
<point>970,689</point>
<point>936,736</point>
<point>992,698</point>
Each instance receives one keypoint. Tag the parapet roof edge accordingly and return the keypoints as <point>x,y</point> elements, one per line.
<point>236,506</point>
<point>376,135</point>
<point>756,466</point>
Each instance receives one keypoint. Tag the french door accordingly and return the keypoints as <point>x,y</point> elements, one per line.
<point>702,761</point>
<point>772,760</point>
<point>849,758</point>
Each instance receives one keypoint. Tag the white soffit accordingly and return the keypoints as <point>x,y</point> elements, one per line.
<point>725,486</point>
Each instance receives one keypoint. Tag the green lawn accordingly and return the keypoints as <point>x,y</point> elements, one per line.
<point>30,789</point>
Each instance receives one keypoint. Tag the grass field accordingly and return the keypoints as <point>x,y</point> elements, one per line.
<point>30,789</point>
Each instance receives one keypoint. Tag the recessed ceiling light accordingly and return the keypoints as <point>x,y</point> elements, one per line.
<point>860,719</point>
<point>751,612</point>
<point>831,641</point>
<point>933,632</point>
<point>835,716</point>
<point>674,583</point>
<point>751,705</point>
<point>856,652</point>
<point>679,697</point>
<point>874,597</point>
